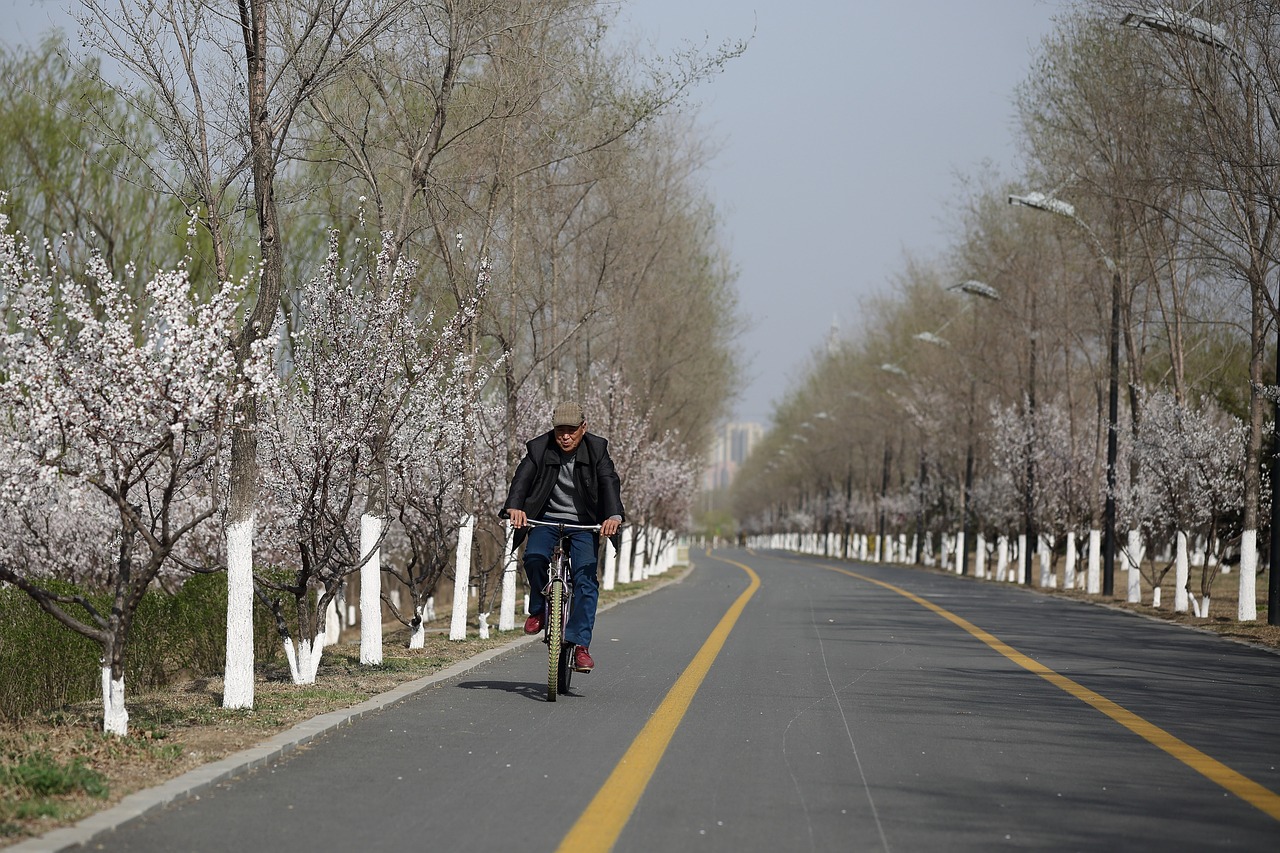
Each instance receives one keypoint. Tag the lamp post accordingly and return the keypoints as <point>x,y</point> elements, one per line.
<point>978,290</point>
<point>1187,26</point>
<point>1049,204</point>
<point>897,370</point>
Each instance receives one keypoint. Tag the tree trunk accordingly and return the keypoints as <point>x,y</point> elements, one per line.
<point>1069,569</point>
<point>1093,577</point>
<point>238,677</point>
<point>462,579</point>
<point>1181,572</point>
<point>370,591</point>
<point>624,557</point>
<point>507,612</point>
<point>115,717</point>
<point>1133,556</point>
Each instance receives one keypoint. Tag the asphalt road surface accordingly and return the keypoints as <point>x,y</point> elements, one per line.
<point>774,702</point>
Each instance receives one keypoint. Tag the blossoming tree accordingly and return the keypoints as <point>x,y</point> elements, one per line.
<point>368,384</point>
<point>1191,460</point>
<point>115,411</point>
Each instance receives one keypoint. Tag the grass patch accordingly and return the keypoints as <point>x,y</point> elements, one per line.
<point>37,787</point>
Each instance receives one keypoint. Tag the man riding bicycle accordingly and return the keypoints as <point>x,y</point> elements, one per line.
<point>566,475</point>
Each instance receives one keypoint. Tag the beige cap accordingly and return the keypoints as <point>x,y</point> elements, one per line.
<point>567,414</point>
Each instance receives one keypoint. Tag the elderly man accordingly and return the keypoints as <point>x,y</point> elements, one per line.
<point>566,475</point>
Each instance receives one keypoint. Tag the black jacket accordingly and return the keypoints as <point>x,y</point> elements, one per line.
<point>593,472</point>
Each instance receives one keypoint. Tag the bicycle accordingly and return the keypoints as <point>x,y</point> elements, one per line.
<point>559,598</point>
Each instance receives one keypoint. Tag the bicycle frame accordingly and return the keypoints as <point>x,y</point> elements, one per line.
<point>559,597</point>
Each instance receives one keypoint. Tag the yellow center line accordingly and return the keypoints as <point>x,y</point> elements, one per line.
<point>1215,771</point>
<point>608,812</point>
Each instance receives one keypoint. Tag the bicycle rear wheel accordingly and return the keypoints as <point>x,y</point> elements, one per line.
<point>555,637</point>
<point>566,667</point>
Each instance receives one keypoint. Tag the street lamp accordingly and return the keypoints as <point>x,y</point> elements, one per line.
<point>1186,25</point>
<point>1040,201</point>
<point>897,370</point>
<point>1181,24</point>
<point>981,290</point>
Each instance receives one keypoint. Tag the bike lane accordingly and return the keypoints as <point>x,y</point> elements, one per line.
<point>475,762</point>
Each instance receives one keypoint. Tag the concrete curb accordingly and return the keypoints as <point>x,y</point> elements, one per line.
<point>141,803</point>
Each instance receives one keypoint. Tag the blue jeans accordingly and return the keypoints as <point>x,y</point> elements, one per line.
<point>582,546</point>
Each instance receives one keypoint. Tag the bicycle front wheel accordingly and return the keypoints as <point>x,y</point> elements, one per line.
<point>555,637</point>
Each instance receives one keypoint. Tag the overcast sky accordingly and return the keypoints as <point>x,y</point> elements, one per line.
<point>841,129</point>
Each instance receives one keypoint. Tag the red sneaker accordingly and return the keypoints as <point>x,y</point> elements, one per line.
<point>533,624</point>
<point>582,661</point>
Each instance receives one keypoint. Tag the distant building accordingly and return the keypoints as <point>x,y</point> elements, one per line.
<point>731,448</point>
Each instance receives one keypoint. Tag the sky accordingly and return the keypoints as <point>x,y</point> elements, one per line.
<point>842,133</point>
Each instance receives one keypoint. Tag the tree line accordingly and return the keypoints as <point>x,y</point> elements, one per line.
<point>1083,383</point>
<point>288,284</point>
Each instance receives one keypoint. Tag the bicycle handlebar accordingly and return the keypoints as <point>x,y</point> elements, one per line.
<point>537,522</point>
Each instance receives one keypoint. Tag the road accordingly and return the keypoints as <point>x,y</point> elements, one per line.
<point>776,702</point>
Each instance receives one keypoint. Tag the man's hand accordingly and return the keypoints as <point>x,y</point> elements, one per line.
<point>609,526</point>
<point>518,518</point>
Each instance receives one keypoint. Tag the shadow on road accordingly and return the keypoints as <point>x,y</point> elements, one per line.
<point>528,690</point>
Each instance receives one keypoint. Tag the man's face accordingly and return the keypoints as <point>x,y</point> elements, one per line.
<point>568,438</point>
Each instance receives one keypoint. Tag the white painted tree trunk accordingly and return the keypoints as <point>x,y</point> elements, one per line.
<point>115,717</point>
<point>483,620</point>
<point>1155,598</point>
<point>332,623</point>
<point>645,554</point>
<point>624,556</point>
<point>462,579</point>
<point>1069,565</point>
<point>418,636</point>
<point>237,681</point>
<point>1093,575</point>
<point>291,655</point>
<point>609,565</point>
<point>1247,606</point>
<point>1002,558</point>
<point>961,544</point>
<point>1181,574</point>
<point>1047,579</point>
<point>370,590</point>
<point>980,556</point>
<point>507,609</point>
<point>1133,556</point>
<point>308,661</point>
<point>638,563</point>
